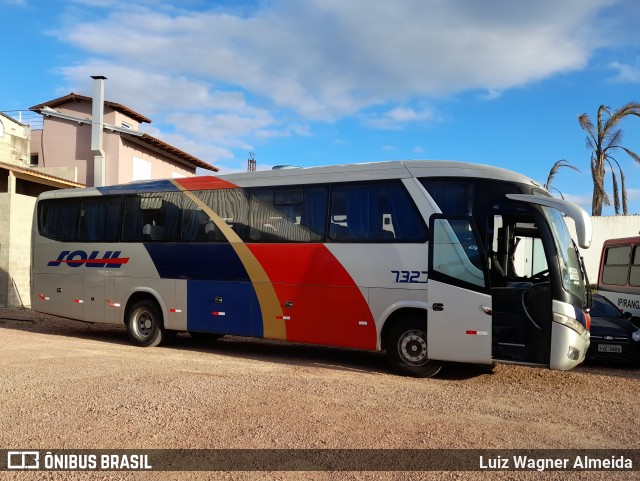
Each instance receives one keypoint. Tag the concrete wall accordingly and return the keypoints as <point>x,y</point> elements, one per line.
<point>5,248</point>
<point>16,215</point>
<point>14,142</point>
<point>22,207</point>
<point>608,227</point>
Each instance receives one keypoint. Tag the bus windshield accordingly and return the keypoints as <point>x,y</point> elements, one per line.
<point>570,268</point>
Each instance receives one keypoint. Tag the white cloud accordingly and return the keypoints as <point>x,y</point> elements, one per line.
<point>491,94</point>
<point>150,91</point>
<point>329,58</point>
<point>227,77</point>
<point>397,117</point>
<point>583,200</point>
<point>626,73</point>
<point>633,194</point>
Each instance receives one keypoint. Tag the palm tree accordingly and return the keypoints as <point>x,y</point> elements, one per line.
<point>603,143</point>
<point>554,170</point>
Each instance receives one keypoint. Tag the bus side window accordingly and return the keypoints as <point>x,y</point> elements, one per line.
<point>58,219</point>
<point>634,273</point>
<point>616,265</point>
<point>132,219</point>
<point>374,212</point>
<point>288,214</point>
<point>231,205</point>
<point>100,219</point>
<point>152,217</point>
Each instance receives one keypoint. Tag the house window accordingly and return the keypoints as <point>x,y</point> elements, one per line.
<point>141,169</point>
<point>33,159</point>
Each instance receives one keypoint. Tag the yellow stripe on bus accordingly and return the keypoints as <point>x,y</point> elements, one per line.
<point>273,328</point>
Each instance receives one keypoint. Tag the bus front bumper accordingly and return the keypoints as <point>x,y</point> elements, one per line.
<point>568,346</point>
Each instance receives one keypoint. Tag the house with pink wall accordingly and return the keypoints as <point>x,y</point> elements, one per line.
<point>63,147</point>
<point>62,155</point>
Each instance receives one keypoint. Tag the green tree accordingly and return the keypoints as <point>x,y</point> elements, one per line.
<point>604,141</point>
<point>554,170</point>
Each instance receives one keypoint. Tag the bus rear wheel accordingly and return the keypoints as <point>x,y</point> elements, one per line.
<point>144,324</point>
<point>406,346</point>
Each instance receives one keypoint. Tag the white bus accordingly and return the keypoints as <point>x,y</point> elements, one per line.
<point>432,261</point>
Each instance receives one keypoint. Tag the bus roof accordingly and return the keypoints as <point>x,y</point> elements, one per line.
<point>397,169</point>
<point>622,241</point>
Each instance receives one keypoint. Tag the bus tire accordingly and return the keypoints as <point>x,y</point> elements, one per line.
<point>406,346</point>
<point>144,324</point>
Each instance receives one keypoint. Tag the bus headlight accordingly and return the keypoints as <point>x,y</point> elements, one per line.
<point>570,322</point>
<point>636,336</point>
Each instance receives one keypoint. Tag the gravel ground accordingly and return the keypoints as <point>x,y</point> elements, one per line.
<point>66,384</point>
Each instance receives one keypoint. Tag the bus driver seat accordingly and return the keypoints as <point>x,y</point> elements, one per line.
<point>152,232</point>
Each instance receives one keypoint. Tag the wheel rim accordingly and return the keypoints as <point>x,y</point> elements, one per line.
<point>143,324</point>
<point>412,347</point>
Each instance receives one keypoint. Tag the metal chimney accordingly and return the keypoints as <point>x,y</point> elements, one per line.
<point>97,128</point>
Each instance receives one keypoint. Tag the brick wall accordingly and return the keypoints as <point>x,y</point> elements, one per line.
<point>20,249</point>
<point>16,215</point>
<point>4,248</point>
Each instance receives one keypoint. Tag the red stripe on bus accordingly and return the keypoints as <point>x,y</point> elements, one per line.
<point>204,182</point>
<point>108,260</point>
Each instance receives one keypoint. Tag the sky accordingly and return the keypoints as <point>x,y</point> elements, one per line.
<point>321,82</point>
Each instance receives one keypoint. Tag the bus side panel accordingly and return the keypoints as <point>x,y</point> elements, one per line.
<point>162,290</point>
<point>398,271</point>
<point>94,298</point>
<point>385,301</point>
<point>304,311</point>
<point>204,261</point>
<point>325,305</point>
<point>626,301</point>
<point>350,321</point>
<point>221,307</point>
<point>59,294</point>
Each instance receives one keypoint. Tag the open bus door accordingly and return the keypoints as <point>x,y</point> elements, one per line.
<point>483,313</point>
<point>459,325</point>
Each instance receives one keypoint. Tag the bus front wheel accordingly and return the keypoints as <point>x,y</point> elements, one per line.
<point>406,346</point>
<point>144,324</point>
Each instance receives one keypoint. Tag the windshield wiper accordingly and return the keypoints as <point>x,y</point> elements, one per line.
<point>588,304</point>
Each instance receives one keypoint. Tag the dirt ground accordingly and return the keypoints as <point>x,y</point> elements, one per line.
<point>72,385</point>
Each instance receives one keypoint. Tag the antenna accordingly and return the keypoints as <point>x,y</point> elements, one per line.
<point>251,163</point>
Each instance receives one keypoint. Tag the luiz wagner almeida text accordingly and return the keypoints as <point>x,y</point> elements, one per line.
<point>541,464</point>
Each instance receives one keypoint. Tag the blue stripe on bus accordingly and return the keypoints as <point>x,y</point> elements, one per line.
<point>197,261</point>
<point>223,308</point>
<point>137,187</point>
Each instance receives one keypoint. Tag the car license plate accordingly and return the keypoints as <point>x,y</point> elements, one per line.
<point>609,348</point>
